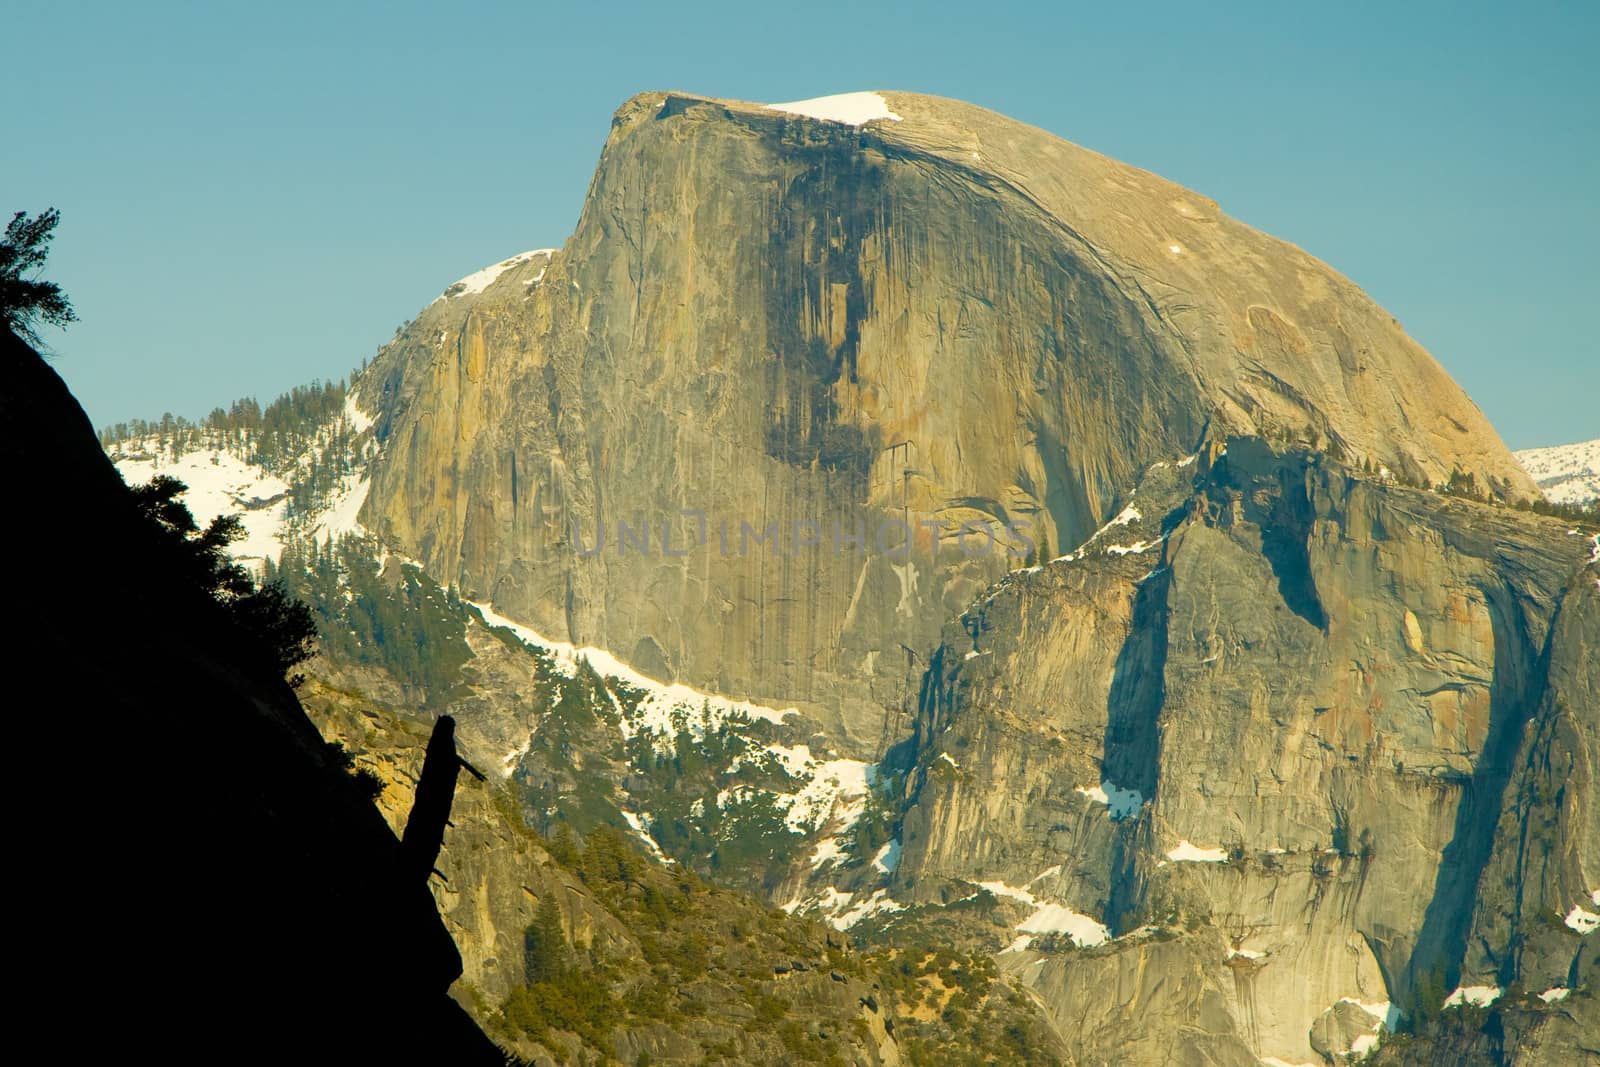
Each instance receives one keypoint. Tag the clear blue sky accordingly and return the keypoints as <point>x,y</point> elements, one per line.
<point>255,195</point>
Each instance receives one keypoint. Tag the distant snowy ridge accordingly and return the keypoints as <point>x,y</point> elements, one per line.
<point>1568,474</point>
<point>220,483</point>
<point>222,480</point>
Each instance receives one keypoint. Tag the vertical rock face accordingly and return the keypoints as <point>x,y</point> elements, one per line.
<point>770,325</point>
<point>1309,748</point>
<point>1333,741</point>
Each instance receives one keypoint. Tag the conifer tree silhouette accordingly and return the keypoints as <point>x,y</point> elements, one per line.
<point>24,300</point>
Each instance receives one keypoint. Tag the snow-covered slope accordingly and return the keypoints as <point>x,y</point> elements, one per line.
<point>1568,474</point>
<point>223,479</point>
<point>825,795</point>
<point>478,281</point>
<point>220,483</point>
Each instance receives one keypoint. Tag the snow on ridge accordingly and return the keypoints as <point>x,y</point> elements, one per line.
<point>834,791</point>
<point>1187,853</point>
<point>1126,517</point>
<point>1568,474</point>
<point>479,280</point>
<point>1050,918</point>
<point>888,857</point>
<point>221,483</point>
<point>879,902</point>
<point>837,789</point>
<point>1001,889</point>
<point>852,109</point>
<point>1060,919</point>
<point>339,517</point>
<point>1550,996</point>
<point>828,852</point>
<point>1389,1017</point>
<point>661,699</point>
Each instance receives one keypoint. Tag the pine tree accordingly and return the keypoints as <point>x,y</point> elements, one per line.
<point>545,956</point>
<point>25,300</point>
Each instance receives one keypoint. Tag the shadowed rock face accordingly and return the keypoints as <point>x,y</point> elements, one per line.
<point>1360,720</point>
<point>778,320</point>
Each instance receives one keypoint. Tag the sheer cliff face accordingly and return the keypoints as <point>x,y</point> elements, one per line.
<point>772,319</point>
<point>1347,736</point>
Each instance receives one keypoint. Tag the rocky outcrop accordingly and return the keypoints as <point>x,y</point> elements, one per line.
<point>698,975</point>
<point>769,325</point>
<point>492,875</point>
<point>1332,739</point>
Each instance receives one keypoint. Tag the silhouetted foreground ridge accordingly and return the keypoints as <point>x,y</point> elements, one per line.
<point>218,886</point>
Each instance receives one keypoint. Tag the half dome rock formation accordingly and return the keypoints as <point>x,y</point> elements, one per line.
<point>777,343</point>
<point>1098,539</point>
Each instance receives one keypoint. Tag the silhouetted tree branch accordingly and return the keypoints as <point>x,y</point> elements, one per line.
<point>25,301</point>
<point>282,626</point>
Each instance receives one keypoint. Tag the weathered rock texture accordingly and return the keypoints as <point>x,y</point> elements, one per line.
<point>1346,727</point>
<point>690,972</point>
<point>774,319</point>
<point>1368,711</point>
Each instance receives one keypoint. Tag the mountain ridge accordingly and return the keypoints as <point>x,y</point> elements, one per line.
<point>1566,474</point>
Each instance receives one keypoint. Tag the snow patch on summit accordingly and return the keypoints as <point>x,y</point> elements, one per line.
<point>479,280</point>
<point>852,109</point>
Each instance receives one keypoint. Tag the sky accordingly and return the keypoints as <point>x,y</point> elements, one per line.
<point>257,195</point>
